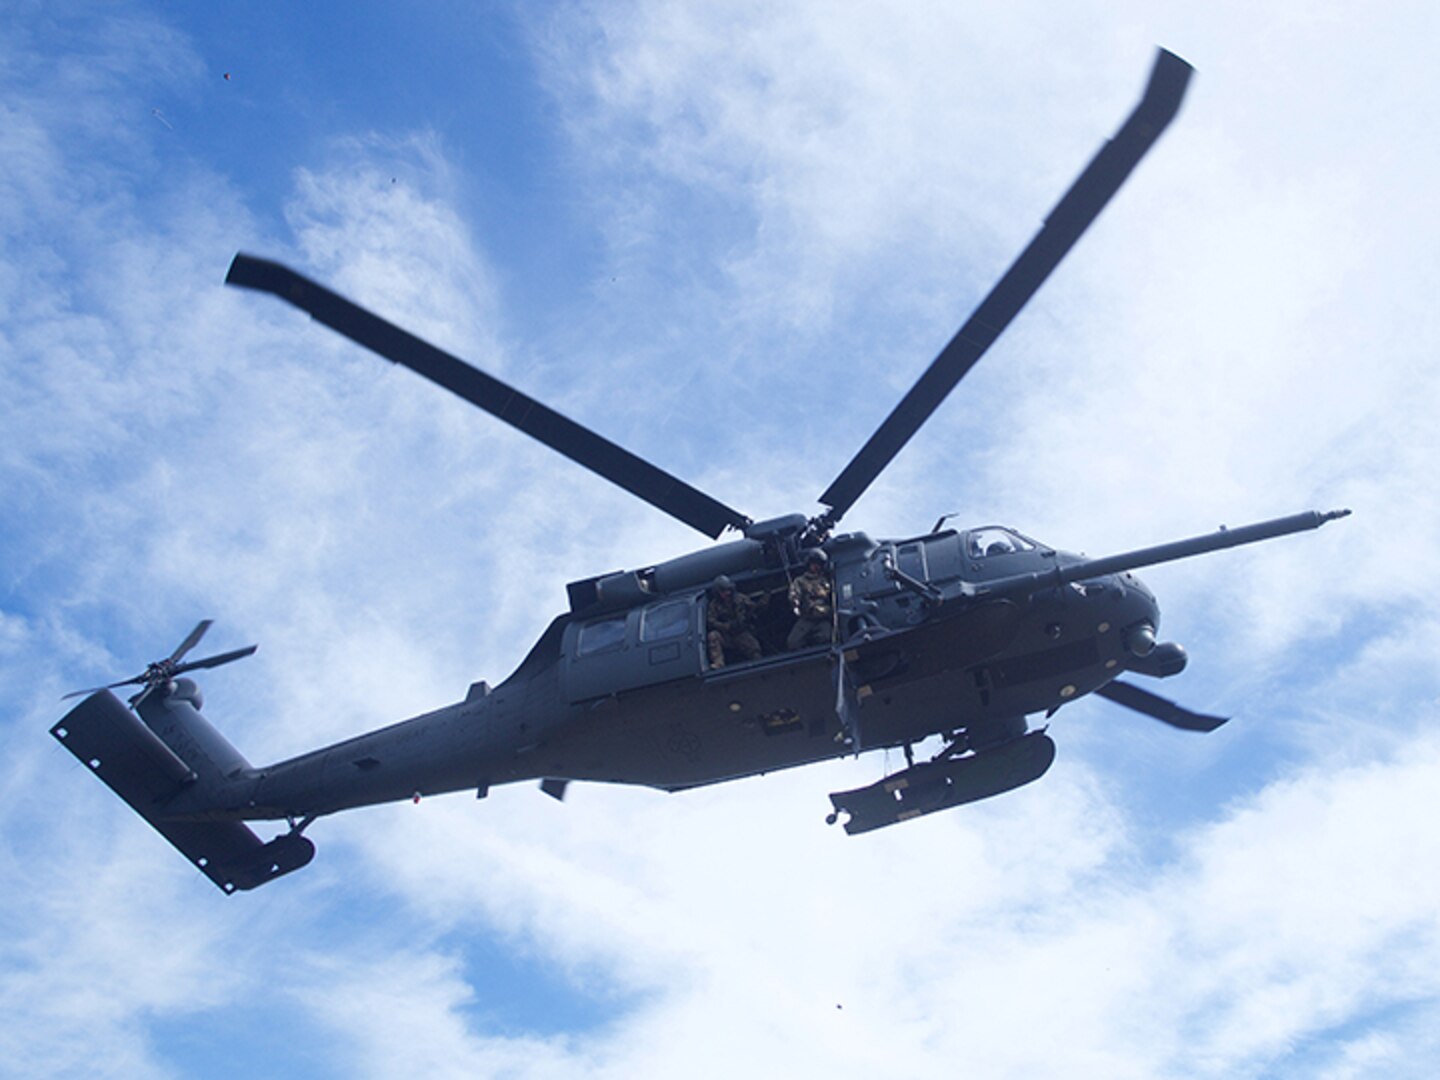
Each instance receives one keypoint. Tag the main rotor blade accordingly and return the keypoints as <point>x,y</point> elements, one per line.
<point>576,442</point>
<point>1065,225</point>
<point>1159,708</point>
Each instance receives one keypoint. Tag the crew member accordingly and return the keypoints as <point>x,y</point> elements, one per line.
<point>812,600</point>
<point>729,617</point>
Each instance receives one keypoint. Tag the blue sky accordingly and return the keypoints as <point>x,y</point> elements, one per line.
<point>728,236</point>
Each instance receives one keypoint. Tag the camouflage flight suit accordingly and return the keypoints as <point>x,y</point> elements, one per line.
<point>728,619</point>
<point>811,599</point>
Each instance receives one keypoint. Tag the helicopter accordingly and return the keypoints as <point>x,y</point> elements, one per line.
<point>962,634</point>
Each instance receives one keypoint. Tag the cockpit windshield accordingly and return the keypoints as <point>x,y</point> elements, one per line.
<point>995,540</point>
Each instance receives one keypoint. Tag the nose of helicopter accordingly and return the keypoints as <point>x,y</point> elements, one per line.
<point>1131,608</point>
<point>1141,596</point>
<point>1142,614</point>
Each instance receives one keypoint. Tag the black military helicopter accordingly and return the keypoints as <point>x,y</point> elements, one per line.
<point>961,634</point>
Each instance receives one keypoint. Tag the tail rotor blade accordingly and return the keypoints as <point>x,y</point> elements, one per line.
<point>191,640</point>
<point>216,661</point>
<point>162,671</point>
<point>136,681</point>
<point>1159,708</point>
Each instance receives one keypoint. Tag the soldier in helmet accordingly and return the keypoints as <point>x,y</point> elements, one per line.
<point>812,600</point>
<point>729,617</point>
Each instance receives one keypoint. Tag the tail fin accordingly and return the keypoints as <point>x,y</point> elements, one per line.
<point>149,764</point>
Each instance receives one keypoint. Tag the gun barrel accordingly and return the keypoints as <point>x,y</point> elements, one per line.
<point>1160,553</point>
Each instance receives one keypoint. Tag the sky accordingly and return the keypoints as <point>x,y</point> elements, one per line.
<point>728,236</point>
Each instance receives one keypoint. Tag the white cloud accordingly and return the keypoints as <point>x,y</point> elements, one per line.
<point>401,1013</point>
<point>1033,917</point>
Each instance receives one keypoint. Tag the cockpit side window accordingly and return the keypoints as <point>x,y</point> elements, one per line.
<point>987,542</point>
<point>601,636</point>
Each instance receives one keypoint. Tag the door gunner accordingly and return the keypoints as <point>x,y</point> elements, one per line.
<point>812,600</point>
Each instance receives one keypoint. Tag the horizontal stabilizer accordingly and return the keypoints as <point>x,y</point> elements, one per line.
<point>120,749</point>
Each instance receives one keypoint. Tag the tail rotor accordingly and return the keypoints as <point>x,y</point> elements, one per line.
<point>160,672</point>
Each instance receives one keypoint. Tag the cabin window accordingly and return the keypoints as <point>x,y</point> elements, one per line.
<point>665,621</point>
<point>601,636</point>
<point>984,543</point>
